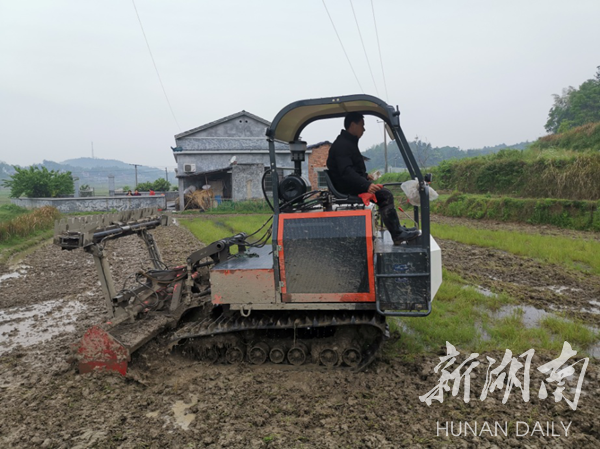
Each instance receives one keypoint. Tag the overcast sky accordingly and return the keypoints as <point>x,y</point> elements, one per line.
<point>464,73</point>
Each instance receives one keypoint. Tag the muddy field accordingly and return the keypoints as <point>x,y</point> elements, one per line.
<point>48,299</point>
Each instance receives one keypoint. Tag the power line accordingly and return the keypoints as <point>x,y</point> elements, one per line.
<point>387,97</point>
<point>154,63</point>
<point>364,49</point>
<point>338,36</point>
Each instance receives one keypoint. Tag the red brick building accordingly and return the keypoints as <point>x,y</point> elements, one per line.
<point>317,162</point>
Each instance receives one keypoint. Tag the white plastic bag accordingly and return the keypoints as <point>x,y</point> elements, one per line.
<point>411,189</point>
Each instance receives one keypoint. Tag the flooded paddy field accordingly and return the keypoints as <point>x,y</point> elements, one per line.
<point>51,297</point>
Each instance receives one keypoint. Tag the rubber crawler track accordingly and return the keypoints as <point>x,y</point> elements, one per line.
<point>262,324</point>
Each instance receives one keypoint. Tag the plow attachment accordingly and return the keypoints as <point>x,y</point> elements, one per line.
<point>136,314</point>
<point>110,348</point>
<point>99,350</point>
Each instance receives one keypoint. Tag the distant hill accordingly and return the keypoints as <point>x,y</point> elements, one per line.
<point>88,162</point>
<point>426,155</point>
<point>95,172</point>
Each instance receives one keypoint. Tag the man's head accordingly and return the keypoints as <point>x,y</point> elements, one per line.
<point>354,123</point>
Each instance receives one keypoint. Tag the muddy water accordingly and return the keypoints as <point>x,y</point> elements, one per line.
<point>30,325</point>
<point>170,401</point>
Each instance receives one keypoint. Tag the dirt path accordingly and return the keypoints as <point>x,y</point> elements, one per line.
<point>170,401</point>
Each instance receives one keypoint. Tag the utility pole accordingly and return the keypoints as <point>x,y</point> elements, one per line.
<point>166,174</point>
<point>92,150</point>
<point>136,166</point>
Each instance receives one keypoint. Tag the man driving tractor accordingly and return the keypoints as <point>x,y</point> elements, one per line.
<point>349,175</point>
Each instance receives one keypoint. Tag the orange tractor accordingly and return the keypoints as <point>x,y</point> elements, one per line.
<point>319,292</point>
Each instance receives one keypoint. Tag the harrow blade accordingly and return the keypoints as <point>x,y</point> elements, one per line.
<point>110,348</point>
<point>98,350</point>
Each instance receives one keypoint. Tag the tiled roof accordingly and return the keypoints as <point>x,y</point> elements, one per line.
<point>223,120</point>
<point>317,145</point>
<point>229,144</point>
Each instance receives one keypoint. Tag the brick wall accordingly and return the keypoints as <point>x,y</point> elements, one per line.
<point>317,159</point>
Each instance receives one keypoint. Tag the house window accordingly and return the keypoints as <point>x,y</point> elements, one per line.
<point>321,182</point>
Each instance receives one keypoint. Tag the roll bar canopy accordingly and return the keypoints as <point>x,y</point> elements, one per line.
<point>291,120</point>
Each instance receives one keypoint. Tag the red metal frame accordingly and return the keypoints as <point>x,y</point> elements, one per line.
<point>329,297</point>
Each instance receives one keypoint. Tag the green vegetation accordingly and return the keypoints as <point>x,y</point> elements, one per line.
<point>469,320</point>
<point>21,229</point>
<point>580,254</point>
<point>235,207</point>
<point>531,174</point>
<point>209,228</point>
<point>581,215</point>
<point>159,185</point>
<point>35,182</point>
<point>575,107</point>
<point>4,196</point>
<point>18,223</point>
<point>10,211</point>
<point>241,207</point>
<point>581,138</point>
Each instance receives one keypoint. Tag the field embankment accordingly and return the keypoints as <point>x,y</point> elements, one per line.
<point>582,138</point>
<point>570,214</point>
<point>553,182</point>
<point>529,174</point>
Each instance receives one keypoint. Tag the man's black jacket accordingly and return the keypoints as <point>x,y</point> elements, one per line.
<point>347,166</point>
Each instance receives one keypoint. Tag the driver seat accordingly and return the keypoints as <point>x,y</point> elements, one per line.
<point>341,198</point>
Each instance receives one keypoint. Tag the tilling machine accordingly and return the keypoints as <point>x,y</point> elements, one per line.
<point>319,293</point>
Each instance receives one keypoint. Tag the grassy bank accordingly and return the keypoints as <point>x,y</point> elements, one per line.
<point>561,165</point>
<point>581,138</point>
<point>530,174</point>
<point>580,215</point>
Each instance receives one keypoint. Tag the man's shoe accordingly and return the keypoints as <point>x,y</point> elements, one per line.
<point>406,236</point>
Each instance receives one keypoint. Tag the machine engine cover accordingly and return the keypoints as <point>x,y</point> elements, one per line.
<point>292,186</point>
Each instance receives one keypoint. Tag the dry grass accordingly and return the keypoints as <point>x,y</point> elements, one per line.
<point>27,224</point>
<point>201,199</point>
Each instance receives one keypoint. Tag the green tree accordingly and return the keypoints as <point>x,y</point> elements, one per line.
<point>36,182</point>
<point>575,107</point>
<point>159,185</point>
